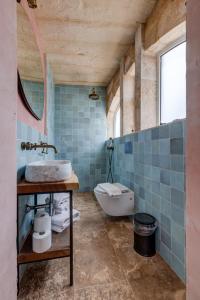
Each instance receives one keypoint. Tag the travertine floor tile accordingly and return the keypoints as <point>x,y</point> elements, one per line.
<point>150,278</point>
<point>117,291</point>
<point>105,265</point>
<point>96,262</point>
<point>120,233</point>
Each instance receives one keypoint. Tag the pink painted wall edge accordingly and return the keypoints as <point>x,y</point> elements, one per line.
<point>8,94</point>
<point>22,113</point>
<point>193,151</point>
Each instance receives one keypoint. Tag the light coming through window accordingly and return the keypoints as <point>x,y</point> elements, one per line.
<point>173,84</point>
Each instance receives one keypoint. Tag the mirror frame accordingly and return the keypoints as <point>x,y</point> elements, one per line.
<point>23,96</point>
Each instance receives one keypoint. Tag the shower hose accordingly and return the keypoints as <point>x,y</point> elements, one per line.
<point>110,158</point>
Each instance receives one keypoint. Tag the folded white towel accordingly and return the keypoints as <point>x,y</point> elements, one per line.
<point>60,219</point>
<point>60,229</point>
<point>58,211</point>
<point>64,217</point>
<point>110,189</point>
<point>61,205</point>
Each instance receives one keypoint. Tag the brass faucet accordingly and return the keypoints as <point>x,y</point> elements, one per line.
<point>31,146</point>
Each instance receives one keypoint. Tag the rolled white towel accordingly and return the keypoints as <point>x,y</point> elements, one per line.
<point>110,189</point>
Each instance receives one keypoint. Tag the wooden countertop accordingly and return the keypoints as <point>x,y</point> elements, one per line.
<point>25,187</point>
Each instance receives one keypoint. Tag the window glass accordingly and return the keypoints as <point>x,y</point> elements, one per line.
<point>173,84</point>
<point>117,123</point>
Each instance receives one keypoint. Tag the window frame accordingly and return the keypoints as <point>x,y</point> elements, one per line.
<point>160,54</point>
<point>114,121</point>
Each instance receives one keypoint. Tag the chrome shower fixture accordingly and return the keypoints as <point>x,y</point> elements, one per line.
<point>93,95</point>
<point>110,144</point>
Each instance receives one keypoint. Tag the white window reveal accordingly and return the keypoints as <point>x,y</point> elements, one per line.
<point>173,84</point>
<point>117,123</point>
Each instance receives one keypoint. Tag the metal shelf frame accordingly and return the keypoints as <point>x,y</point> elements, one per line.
<point>35,207</point>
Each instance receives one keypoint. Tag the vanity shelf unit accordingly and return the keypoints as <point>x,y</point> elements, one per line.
<point>62,243</point>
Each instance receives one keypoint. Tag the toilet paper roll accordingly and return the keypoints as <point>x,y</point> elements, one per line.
<point>41,241</point>
<point>42,222</point>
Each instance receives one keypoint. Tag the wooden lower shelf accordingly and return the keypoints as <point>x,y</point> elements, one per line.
<point>60,248</point>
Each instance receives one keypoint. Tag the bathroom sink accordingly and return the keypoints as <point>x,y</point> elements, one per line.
<point>48,171</point>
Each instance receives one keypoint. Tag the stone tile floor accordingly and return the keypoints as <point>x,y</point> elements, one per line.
<point>105,265</point>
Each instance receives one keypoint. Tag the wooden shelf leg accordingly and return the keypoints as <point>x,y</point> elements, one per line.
<point>35,203</point>
<point>17,243</point>
<point>71,240</point>
<point>18,283</point>
<point>51,205</point>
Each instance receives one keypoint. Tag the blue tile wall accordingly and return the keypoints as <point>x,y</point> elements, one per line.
<point>156,172</point>
<point>26,133</point>
<point>80,132</point>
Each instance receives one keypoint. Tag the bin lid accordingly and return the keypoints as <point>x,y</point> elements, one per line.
<point>144,219</point>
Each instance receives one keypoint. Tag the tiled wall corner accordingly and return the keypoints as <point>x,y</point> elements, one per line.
<point>80,132</point>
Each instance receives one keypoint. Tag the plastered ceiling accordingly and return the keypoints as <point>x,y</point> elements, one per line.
<point>85,39</point>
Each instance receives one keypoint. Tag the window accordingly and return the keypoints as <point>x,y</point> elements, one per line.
<point>117,123</point>
<point>173,84</point>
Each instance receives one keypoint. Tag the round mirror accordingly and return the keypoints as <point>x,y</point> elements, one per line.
<point>30,74</point>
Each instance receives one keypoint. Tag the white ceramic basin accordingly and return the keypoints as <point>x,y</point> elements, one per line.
<point>48,171</point>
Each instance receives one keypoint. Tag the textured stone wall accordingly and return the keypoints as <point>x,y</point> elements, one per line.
<point>166,15</point>
<point>149,81</point>
<point>128,100</point>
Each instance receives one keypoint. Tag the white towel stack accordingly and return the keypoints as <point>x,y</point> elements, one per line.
<point>61,221</point>
<point>61,218</point>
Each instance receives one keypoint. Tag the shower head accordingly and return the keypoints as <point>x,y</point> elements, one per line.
<point>93,95</point>
<point>110,145</point>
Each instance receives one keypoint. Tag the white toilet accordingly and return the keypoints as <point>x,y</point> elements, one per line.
<point>115,199</point>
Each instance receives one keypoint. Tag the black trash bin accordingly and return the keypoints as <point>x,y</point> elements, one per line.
<point>144,234</point>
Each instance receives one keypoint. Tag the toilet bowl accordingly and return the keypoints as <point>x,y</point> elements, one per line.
<point>116,205</point>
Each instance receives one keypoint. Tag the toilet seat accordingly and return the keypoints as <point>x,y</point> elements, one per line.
<point>122,188</point>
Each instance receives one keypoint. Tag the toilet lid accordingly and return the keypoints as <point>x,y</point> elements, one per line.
<point>121,187</point>
<point>98,189</point>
